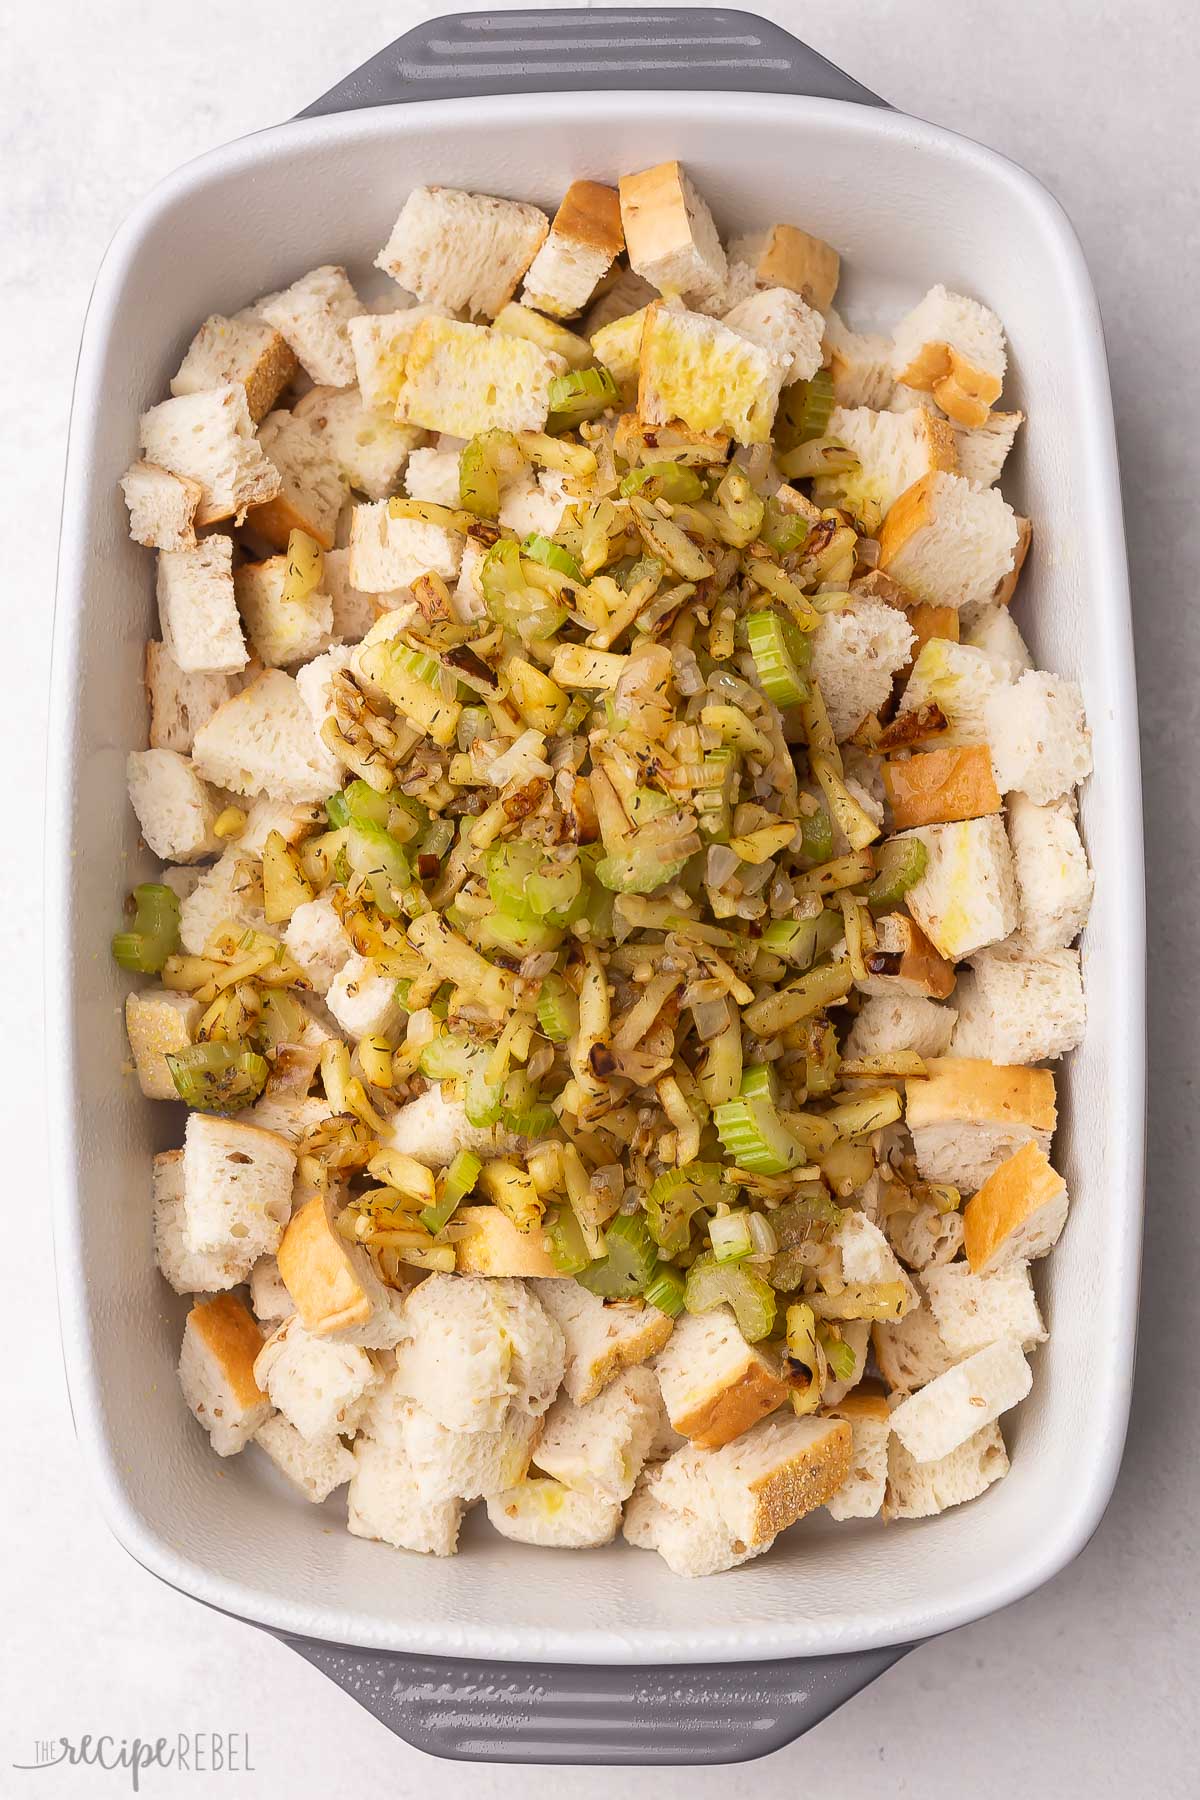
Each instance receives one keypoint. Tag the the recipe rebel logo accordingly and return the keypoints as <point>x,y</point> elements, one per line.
<point>194,1753</point>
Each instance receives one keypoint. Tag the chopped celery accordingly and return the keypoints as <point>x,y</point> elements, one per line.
<point>218,1077</point>
<point>802,941</point>
<point>445,1058</point>
<point>557,1009</point>
<point>714,801</point>
<point>816,837</point>
<point>670,481</point>
<point>710,1284</point>
<point>374,854</point>
<point>155,933</point>
<point>578,395</point>
<point>899,864</point>
<point>783,530</point>
<point>337,812</point>
<point>480,466</point>
<point>730,1237</point>
<point>806,1358</point>
<point>753,1134</point>
<point>564,1240</point>
<point>804,411</point>
<point>637,871</point>
<point>482,1099</point>
<point>511,600</point>
<point>838,1353</point>
<point>364,806</point>
<point>544,550</point>
<point>781,657</point>
<point>666,1290</point>
<point>508,869</point>
<point>516,937</point>
<point>673,1200</point>
<point>554,890</point>
<point>759,1082</point>
<point>454,1186</point>
<point>628,1263</point>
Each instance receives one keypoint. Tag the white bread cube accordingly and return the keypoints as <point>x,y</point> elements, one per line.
<point>967,1118</point>
<point>433,1129</point>
<point>282,631</point>
<point>535,505</point>
<point>333,1282</point>
<point>952,347</point>
<point>584,241</point>
<point>763,1481</point>
<point>353,611</point>
<point>911,1351</point>
<point>600,1448</point>
<point>541,1511</point>
<point>182,882</point>
<point>494,1246</point>
<point>315,1465</point>
<point>1017,1214</point>
<point>158,1022</point>
<point>691,1544</point>
<point>984,449</point>
<point>780,320</point>
<point>1053,878</point>
<point>294,821</point>
<point>993,630</point>
<point>949,542</point>
<point>209,438</point>
<point>626,293</point>
<point>454,1465</point>
<point>318,684</point>
<point>712,378</point>
<point>868,1258</point>
<point>174,809</point>
<point>856,656</point>
<point>229,892</point>
<point>388,553</point>
<point>600,1340</point>
<point>317,939</point>
<point>289,1115</point>
<point>861,1493</point>
<point>618,345</point>
<point>179,703</point>
<point>322,1388</point>
<point>385,1503</point>
<point>464,379</point>
<point>894,450</point>
<point>715,1385</point>
<point>380,344</point>
<point>967,896</point>
<point>1014,1008</point>
<point>312,315</point>
<point>973,1311</point>
<point>242,349</point>
<point>961,679</point>
<point>859,363</point>
<point>537,1343</point>
<point>925,1237</point>
<point>901,1022</point>
<point>162,507</point>
<point>462,250</point>
<point>952,1408</point>
<point>433,475</point>
<point>739,284</point>
<point>477,1344</point>
<point>187,1271</point>
<point>216,1372</point>
<point>919,1490</point>
<point>1040,742</point>
<point>237,1187</point>
<point>784,256</point>
<point>368,447</point>
<point>669,232</point>
<point>904,963</point>
<point>197,610</point>
<point>312,487</point>
<point>363,1002</point>
<point>270,1301</point>
<point>263,741</point>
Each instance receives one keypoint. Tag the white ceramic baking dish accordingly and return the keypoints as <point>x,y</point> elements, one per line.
<point>907,204</point>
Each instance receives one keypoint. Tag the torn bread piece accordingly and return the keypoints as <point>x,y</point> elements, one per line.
<point>231,891</point>
<point>993,630</point>
<point>859,363</point>
<point>860,1495</point>
<point>464,379</point>
<point>380,344</point>
<point>209,438</point>
<point>868,1259</point>
<point>1053,878</point>
<point>244,349</point>
<point>452,1465</point>
<point>941,786</point>
<point>584,241</point>
<point>237,1187</point>
<point>949,542</point>
<point>698,370</point>
<point>1014,1007</point>
<point>857,653</point>
<point>973,1311</point>
<point>385,1503</point>
<point>690,1543</point>
<point>600,1448</point>
<point>1040,741</point>
<point>368,448</point>
<point>476,1343</point>
<point>894,451</point>
<point>312,487</point>
<point>953,1407</point>
<point>333,1282</point>
<point>312,315</point>
<point>984,449</point>
<point>354,612</point>
<point>601,1339</point>
<point>714,1384</point>
<point>162,507</point>
<point>911,1351</point>
<point>321,1388</point>
<point>669,232</point>
<point>432,1128</point>
<point>966,897</point>
<point>282,631</point>
<point>197,608</point>
<point>316,938</point>
<point>952,347</point>
<point>890,1022</point>
<point>263,741</point>
<point>216,1373</point>
<point>905,963</point>
<point>389,552</point>
<point>180,703</point>
<point>919,1490</point>
<point>362,1000</point>
<point>967,1118</point>
<point>1018,1212</point>
<point>462,251</point>
<point>159,1022</point>
<point>618,345</point>
<point>780,320</point>
<point>925,1237</point>
<point>494,1246</point>
<point>764,1480</point>
<point>187,1271</point>
<point>174,810</point>
<point>315,1465</point>
<point>784,256</point>
<point>541,1511</point>
<point>270,1301</point>
<point>961,679</point>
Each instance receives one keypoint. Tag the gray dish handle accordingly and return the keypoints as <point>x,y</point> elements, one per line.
<point>485,1712</point>
<point>567,50</point>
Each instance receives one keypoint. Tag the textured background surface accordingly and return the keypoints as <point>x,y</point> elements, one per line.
<point>1088,1686</point>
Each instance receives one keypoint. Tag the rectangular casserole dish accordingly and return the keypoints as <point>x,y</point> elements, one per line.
<point>908,204</point>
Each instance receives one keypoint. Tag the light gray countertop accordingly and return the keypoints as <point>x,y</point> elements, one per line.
<point>1086,1688</point>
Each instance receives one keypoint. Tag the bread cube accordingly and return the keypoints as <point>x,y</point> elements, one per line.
<point>993,630</point>
<point>432,1129</point>
<point>973,1311</point>
<point>162,507</point>
<point>237,1187</point>
<point>1041,745</point>
<point>856,655</point>
<point>714,1384</point>
<point>216,1373</point>
<point>584,241</point>
<point>925,1237</point>
<point>312,315</point>
<point>368,447</point>
<point>600,1448</point>
<point>780,320</point>
<point>962,679</point>
<point>949,542</point>
<point>179,703</point>
<point>209,438</point>
<point>315,1465</point>
<point>942,786</point>
<point>333,1281</point>
<point>763,1481</point>
<point>910,1351</point>
<point>229,892</point>
<point>952,347</point>
<point>387,552</point>
<point>541,1511</point>
<point>954,1406</point>
<point>353,611</point>
<point>263,741</point>
<point>312,487</point>
<point>197,611</point>
<point>321,1387</point>
<point>270,1301</point>
<point>1014,1008</point>
<point>476,1345</point>
<point>600,1340</point>
<point>317,939</point>
<point>454,1465</point>
<point>919,1490</point>
<point>901,1022</point>
<point>465,379</point>
<point>385,1503</point>
<point>691,1544</point>
<point>433,475</point>
<point>535,505</point>
<point>967,1118</point>
<point>904,963</point>
<point>712,378</point>
<point>894,450</point>
<point>174,809</point>
<point>243,349</point>
<point>289,1114</point>
<point>363,1002</point>
<point>669,232</point>
<point>282,631</point>
<point>159,1022</point>
<point>967,897</point>
<point>861,1494</point>
<point>462,250</point>
<point>984,449</point>
<point>496,1247</point>
<point>1053,878</point>
<point>859,363</point>
<point>618,345</point>
<point>868,1259</point>
<point>380,344</point>
<point>784,256</point>
<point>625,293</point>
<point>187,1271</point>
<point>1017,1214</point>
